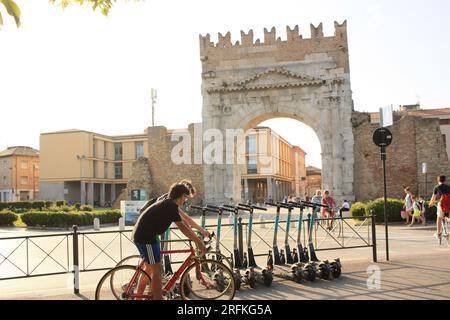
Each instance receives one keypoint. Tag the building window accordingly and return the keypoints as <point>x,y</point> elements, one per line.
<point>94,147</point>
<point>252,165</point>
<point>36,165</point>
<point>24,180</point>
<point>118,171</point>
<point>117,151</point>
<point>444,138</point>
<point>94,165</point>
<point>251,144</point>
<point>105,150</point>
<point>105,170</point>
<point>139,149</point>
<point>24,165</point>
<point>444,122</point>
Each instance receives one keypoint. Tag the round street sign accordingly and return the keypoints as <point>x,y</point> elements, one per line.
<point>382,137</point>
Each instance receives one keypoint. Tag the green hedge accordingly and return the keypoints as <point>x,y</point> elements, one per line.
<point>68,219</point>
<point>23,206</point>
<point>86,207</point>
<point>60,203</point>
<point>430,213</point>
<point>358,210</point>
<point>394,209</point>
<point>7,218</point>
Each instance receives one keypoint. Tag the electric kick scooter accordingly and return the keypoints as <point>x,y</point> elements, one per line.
<point>277,262</point>
<point>265,275</point>
<point>326,270</point>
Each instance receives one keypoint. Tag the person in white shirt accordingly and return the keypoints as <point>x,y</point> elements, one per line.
<point>345,208</point>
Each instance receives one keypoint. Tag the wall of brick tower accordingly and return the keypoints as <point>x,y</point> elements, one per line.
<point>416,140</point>
<point>164,171</point>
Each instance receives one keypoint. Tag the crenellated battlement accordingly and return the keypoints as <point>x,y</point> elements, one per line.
<point>294,48</point>
<point>270,37</point>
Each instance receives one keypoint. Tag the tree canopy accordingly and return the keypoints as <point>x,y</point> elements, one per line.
<point>14,11</point>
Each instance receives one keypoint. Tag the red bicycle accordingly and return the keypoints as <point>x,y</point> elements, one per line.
<point>201,279</point>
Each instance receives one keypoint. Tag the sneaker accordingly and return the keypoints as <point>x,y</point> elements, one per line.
<point>411,225</point>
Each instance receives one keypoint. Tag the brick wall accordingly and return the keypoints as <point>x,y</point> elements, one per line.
<point>416,140</point>
<point>164,171</point>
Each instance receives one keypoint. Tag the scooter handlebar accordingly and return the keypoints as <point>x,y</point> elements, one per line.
<point>205,209</point>
<point>312,204</point>
<point>252,207</point>
<point>270,204</point>
<point>227,209</point>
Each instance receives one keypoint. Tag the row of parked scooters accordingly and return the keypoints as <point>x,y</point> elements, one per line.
<point>297,265</point>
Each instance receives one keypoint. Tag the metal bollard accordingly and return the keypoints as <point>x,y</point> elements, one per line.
<point>76,268</point>
<point>97,224</point>
<point>121,224</point>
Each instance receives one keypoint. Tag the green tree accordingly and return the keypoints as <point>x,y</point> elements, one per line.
<point>103,5</point>
<point>12,9</point>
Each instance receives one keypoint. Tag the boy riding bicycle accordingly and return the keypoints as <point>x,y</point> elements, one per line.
<point>442,190</point>
<point>153,222</point>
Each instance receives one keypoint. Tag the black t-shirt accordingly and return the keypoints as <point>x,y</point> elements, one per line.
<point>155,221</point>
<point>441,189</point>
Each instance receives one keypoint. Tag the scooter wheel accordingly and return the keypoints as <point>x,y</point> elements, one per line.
<point>267,278</point>
<point>337,270</point>
<point>310,273</point>
<point>252,282</point>
<point>237,282</point>
<point>325,271</point>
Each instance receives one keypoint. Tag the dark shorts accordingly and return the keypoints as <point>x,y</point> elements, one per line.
<point>150,253</point>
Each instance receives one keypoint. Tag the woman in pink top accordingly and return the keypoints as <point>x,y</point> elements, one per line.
<point>327,213</point>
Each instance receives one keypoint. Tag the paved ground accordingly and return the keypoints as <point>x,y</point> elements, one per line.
<point>418,269</point>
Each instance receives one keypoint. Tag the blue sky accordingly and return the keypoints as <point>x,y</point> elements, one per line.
<point>76,69</point>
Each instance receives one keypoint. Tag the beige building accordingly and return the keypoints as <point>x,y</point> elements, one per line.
<point>314,180</point>
<point>19,174</point>
<point>274,168</point>
<point>85,167</point>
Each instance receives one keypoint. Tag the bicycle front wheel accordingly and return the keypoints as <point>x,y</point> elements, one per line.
<point>124,283</point>
<point>446,231</point>
<point>133,260</point>
<point>207,280</point>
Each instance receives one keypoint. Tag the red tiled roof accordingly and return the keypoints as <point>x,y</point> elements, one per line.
<point>19,151</point>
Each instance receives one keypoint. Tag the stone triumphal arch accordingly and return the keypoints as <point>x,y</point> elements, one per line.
<point>251,81</point>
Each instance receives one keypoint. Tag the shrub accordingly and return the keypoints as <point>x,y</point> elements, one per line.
<point>60,203</point>
<point>7,218</point>
<point>68,219</point>
<point>358,210</point>
<point>86,207</point>
<point>48,204</point>
<point>40,205</point>
<point>394,209</point>
<point>66,208</point>
<point>77,206</point>
<point>430,213</point>
<point>108,216</point>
